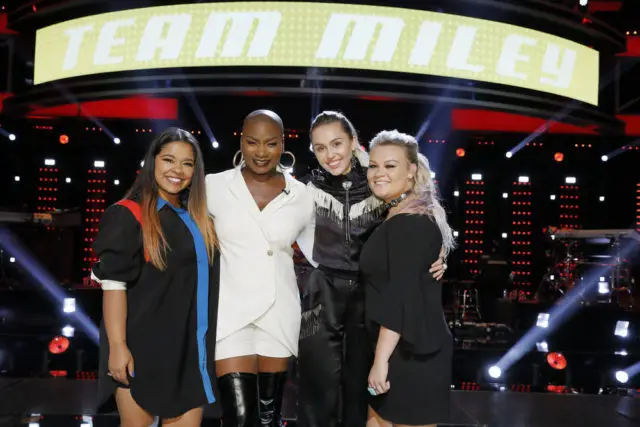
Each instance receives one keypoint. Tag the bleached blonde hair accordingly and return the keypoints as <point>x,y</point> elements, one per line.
<point>425,199</point>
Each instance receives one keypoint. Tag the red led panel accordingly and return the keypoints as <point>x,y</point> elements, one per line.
<point>474,224</point>
<point>520,239</point>
<point>95,205</point>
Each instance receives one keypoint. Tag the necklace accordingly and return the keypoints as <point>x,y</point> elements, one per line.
<point>395,202</point>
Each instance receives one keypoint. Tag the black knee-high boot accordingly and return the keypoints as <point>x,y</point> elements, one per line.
<point>239,398</point>
<point>271,390</point>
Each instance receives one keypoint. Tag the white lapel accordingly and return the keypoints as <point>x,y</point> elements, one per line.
<point>239,189</point>
<point>284,198</point>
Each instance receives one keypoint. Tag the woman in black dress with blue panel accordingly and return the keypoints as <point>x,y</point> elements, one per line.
<point>158,267</point>
<point>411,373</point>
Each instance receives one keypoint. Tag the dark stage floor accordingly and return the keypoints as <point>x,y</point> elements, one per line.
<point>62,402</point>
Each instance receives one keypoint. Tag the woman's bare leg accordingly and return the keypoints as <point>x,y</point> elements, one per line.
<point>375,420</point>
<point>131,414</point>
<point>192,418</point>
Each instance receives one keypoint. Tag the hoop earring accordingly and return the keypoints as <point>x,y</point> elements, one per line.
<point>293,162</point>
<point>235,159</point>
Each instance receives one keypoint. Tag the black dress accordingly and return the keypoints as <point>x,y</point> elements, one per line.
<point>171,314</point>
<point>401,295</point>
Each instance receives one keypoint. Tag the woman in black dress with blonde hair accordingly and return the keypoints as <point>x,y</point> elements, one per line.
<point>158,268</point>
<point>411,373</point>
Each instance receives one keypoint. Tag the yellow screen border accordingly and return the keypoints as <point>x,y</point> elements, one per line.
<point>317,35</point>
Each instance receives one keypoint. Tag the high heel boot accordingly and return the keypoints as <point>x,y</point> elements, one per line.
<point>239,398</point>
<point>271,390</point>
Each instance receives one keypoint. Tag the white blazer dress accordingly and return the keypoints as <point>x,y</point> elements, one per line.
<point>257,279</point>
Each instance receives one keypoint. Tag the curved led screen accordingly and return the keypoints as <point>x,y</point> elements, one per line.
<point>317,35</point>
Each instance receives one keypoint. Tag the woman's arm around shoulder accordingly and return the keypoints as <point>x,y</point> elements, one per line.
<point>306,238</point>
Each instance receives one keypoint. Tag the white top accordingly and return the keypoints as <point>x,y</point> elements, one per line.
<point>257,279</point>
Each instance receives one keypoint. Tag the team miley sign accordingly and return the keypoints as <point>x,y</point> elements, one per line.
<point>317,35</point>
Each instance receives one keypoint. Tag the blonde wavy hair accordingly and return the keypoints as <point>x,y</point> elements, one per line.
<point>424,199</point>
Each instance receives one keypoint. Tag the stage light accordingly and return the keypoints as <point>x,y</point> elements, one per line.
<point>116,182</point>
<point>476,177</point>
<point>523,179</point>
<point>552,197</point>
<point>604,158</point>
<point>622,329</point>
<point>142,164</point>
<point>12,260</point>
<point>68,331</point>
<point>601,198</point>
<point>49,162</point>
<point>98,164</point>
<point>570,180</point>
<point>495,372</point>
<point>584,2</point>
<point>505,195</point>
<point>12,137</point>
<point>542,347</point>
<point>456,234</point>
<point>456,193</point>
<point>557,361</point>
<point>215,144</point>
<point>433,175</point>
<point>603,288</point>
<point>558,157</point>
<point>505,235</point>
<point>621,353</point>
<point>69,305</point>
<point>543,320</point>
<point>59,345</point>
<point>64,139</point>
<point>622,377</point>
<point>16,178</point>
<point>67,180</point>
<point>603,279</point>
<point>460,152</point>
<point>116,140</point>
<point>508,154</point>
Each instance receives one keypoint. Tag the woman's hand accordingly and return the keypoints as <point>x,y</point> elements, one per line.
<point>378,377</point>
<point>438,268</point>
<point>120,363</point>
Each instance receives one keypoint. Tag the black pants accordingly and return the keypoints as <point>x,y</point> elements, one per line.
<point>335,355</point>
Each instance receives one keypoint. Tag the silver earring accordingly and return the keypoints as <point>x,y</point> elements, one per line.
<point>235,159</point>
<point>293,161</point>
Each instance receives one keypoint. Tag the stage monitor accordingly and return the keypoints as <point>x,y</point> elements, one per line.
<point>317,35</point>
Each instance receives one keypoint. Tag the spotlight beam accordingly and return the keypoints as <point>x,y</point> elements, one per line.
<point>619,151</point>
<point>566,111</point>
<point>41,277</point>
<point>559,313</point>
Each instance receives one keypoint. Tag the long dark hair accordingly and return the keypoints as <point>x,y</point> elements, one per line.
<point>145,189</point>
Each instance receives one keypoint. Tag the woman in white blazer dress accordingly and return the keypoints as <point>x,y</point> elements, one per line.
<point>259,213</point>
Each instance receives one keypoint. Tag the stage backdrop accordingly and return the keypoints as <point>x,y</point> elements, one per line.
<point>317,35</point>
